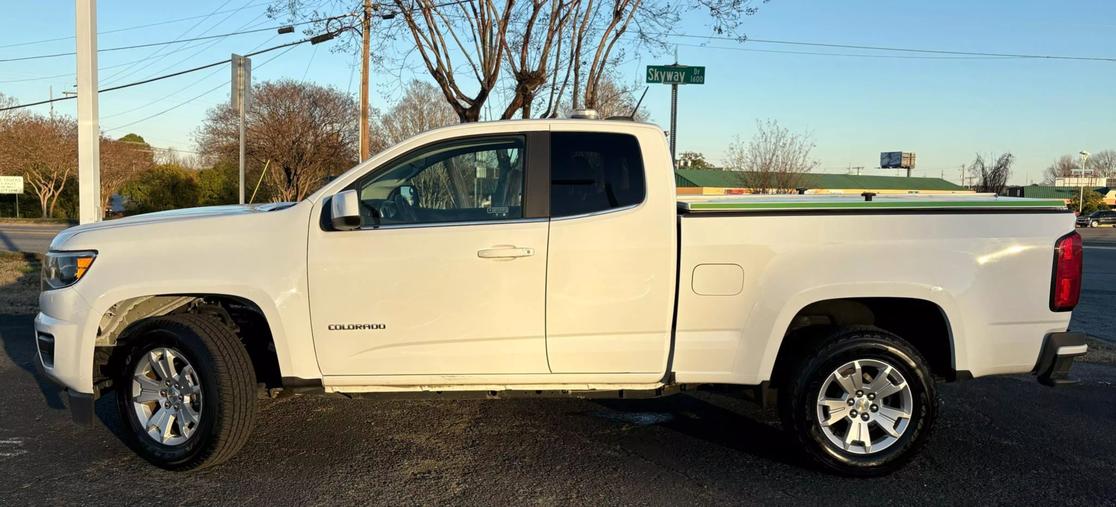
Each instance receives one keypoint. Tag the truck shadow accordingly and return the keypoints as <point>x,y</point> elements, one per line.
<point>17,337</point>
<point>717,419</point>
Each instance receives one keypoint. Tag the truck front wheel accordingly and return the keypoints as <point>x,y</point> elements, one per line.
<point>862,404</point>
<point>186,391</point>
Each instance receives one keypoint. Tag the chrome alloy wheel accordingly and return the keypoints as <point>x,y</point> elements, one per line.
<point>864,406</point>
<point>166,396</point>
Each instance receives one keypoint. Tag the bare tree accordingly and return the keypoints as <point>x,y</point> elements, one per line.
<point>306,131</point>
<point>991,176</point>
<point>42,149</point>
<point>5,102</point>
<point>122,160</point>
<point>469,46</point>
<point>1102,164</point>
<point>420,109</point>
<point>1061,168</point>
<point>693,160</point>
<point>774,161</point>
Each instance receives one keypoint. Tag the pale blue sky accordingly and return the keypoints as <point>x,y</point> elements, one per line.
<point>945,109</point>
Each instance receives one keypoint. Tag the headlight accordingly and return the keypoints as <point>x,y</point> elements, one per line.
<point>62,269</point>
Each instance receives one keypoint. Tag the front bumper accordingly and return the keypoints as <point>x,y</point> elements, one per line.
<point>1056,357</point>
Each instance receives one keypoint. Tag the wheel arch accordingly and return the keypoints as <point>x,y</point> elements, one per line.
<point>255,324</point>
<point>925,323</point>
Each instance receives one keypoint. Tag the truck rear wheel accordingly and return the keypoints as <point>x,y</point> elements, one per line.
<point>861,405</point>
<point>186,392</point>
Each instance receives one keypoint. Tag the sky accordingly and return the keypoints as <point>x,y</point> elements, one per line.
<point>944,108</point>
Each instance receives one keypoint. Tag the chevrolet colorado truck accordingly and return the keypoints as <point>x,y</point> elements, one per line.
<point>553,257</point>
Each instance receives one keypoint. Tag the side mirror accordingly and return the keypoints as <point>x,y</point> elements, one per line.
<point>409,194</point>
<point>344,210</point>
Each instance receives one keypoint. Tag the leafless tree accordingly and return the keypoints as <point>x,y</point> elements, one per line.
<point>172,156</point>
<point>774,161</point>
<point>5,102</point>
<point>42,149</point>
<point>1102,164</point>
<point>1063,167</point>
<point>421,109</point>
<point>991,175</point>
<point>306,131</point>
<point>693,160</point>
<point>539,48</point>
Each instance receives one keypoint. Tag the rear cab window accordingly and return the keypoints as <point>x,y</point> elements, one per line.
<point>593,172</point>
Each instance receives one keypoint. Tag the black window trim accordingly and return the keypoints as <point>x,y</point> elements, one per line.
<point>536,144</point>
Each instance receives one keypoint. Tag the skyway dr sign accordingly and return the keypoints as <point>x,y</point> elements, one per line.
<point>675,74</point>
<point>11,184</point>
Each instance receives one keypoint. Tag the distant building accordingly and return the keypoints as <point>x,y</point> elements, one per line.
<point>1064,193</point>
<point>1084,181</point>
<point>721,182</point>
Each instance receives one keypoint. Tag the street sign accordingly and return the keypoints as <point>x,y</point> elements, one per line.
<point>241,81</point>
<point>11,184</point>
<point>675,74</point>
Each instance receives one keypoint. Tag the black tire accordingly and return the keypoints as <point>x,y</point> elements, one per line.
<point>225,377</point>
<point>798,400</point>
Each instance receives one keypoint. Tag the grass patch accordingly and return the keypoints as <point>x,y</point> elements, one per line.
<point>19,283</point>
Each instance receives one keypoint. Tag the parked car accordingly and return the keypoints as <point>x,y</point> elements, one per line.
<point>1097,219</point>
<point>553,258</point>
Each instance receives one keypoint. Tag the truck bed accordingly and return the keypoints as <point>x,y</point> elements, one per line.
<point>898,202</point>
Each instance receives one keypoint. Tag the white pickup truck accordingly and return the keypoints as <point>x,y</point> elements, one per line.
<point>543,257</point>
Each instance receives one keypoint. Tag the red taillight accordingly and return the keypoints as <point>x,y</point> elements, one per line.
<point>1066,286</point>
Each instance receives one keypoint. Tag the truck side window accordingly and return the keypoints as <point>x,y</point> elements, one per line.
<point>591,172</point>
<point>469,180</point>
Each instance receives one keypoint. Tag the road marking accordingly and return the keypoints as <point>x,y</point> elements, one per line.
<point>11,447</point>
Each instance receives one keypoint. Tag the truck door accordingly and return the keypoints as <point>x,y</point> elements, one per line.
<point>447,273</point>
<point>611,264</point>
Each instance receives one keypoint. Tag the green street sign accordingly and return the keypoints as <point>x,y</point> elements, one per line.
<point>675,74</point>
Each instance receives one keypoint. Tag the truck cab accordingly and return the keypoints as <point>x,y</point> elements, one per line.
<point>553,257</point>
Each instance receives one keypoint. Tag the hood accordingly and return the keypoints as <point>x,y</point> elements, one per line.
<point>167,217</point>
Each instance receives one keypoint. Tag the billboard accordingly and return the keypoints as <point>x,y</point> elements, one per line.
<point>897,160</point>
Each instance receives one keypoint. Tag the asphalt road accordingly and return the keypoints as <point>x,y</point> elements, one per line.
<point>1096,312</point>
<point>1004,440</point>
<point>1001,440</point>
<point>34,238</point>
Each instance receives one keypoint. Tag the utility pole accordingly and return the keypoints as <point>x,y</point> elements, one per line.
<point>366,42</point>
<point>241,93</point>
<point>1081,196</point>
<point>89,132</point>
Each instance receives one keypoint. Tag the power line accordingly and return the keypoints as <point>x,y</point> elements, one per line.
<point>128,28</point>
<point>894,49</point>
<point>180,90</point>
<point>207,92</point>
<point>856,55</point>
<point>160,49</point>
<point>180,41</point>
<point>159,78</point>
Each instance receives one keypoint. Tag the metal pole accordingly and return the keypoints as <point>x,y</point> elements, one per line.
<point>242,150</point>
<point>89,132</point>
<point>673,122</point>
<point>17,205</point>
<point>366,36</point>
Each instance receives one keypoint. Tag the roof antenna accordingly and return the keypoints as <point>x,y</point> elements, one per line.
<point>636,108</point>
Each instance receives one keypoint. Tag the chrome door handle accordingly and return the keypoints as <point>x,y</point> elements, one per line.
<point>505,252</point>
